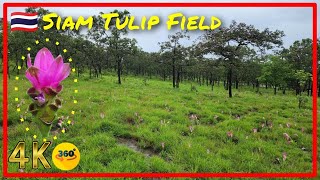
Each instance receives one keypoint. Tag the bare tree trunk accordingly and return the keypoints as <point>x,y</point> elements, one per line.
<point>178,79</point>
<point>237,84</point>
<point>212,84</point>
<point>309,87</point>
<point>230,81</point>
<point>8,71</point>
<point>173,74</point>
<point>297,88</point>
<point>119,70</point>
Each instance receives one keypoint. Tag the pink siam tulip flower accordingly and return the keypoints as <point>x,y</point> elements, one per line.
<point>60,123</point>
<point>287,137</point>
<point>255,130</point>
<point>230,134</point>
<point>45,76</point>
<point>284,156</point>
<point>47,72</point>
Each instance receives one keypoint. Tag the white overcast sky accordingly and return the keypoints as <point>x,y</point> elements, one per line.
<point>295,22</point>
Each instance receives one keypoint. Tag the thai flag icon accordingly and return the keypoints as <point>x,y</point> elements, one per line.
<point>21,21</point>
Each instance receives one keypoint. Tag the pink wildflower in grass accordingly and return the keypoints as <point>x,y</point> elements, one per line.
<point>255,130</point>
<point>287,137</point>
<point>284,156</point>
<point>288,125</point>
<point>60,123</point>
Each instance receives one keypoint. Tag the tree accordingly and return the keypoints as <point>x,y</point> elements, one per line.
<point>228,42</point>
<point>117,46</point>
<point>174,47</point>
<point>302,78</point>
<point>299,55</point>
<point>276,71</point>
<point>249,71</point>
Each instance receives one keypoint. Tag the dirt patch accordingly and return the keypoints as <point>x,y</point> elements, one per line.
<point>133,144</point>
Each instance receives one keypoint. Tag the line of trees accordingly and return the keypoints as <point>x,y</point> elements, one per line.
<point>235,55</point>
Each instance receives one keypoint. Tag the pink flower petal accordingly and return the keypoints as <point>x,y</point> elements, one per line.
<point>29,64</point>
<point>55,68</point>
<point>32,76</point>
<point>43,59</point>
<point>64,73</point>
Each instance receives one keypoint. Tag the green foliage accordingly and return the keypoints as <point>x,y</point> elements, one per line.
<point>302,77</point>
<point>276,71</point>
<point>299,54</point>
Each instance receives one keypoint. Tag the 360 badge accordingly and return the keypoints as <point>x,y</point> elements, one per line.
<point>66,156</point>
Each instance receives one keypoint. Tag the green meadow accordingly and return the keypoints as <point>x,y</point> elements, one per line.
<point>147,126</point>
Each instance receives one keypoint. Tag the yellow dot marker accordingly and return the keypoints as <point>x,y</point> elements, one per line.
<point>37,42</point>
<point>64,50</point>
<point>19,67</point>
<point>57,43</point>
<point>69,122</point>
<point>47,39</point>
<point>27,129</point>
<point>21,119</point>
<point>23,58</point>
<point>55,138</point>
<point>16,99</point>
<point>75,101</point>
<point>17,78</point>
<point>76,91</point>
<point>16,88</point>
<point>29,48</point>
<point>73,70</point>
<point>18,109</point>
<point>34,136</point>
<point>68,159</point>
<point>63,131</point>
<point>75,80</point>
<point>44,139</point>
<point>73,112</point>
<point>70,59</point>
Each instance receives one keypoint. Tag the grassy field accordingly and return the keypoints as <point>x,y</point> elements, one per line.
<point>151,127</point>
